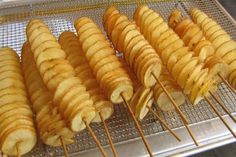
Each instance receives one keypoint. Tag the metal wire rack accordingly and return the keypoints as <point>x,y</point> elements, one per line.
<point>60,17</point>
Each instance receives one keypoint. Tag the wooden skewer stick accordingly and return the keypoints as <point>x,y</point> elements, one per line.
<point>223,106</point>
<point>163,123</point>
<point>218,114</point>
<point>137,125</point>
<point>95,139</point>
<point>108,136</point>
<point>17,150</point>
<point>64,147</point>
<point>227,83</point>
<point>191,134</point>
<point>172,100</point>
<point>182,116</point>
<point>187,127</point>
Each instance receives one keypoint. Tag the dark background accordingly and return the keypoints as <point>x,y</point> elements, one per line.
<point>230,6</point>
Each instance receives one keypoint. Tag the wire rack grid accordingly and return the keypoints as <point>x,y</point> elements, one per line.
<point>60,16</point>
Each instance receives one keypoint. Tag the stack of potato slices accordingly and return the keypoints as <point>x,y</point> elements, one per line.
<point>69,96</point>
<point>17,131</point>
<point>191,35</point>
<point>194,38</point>
<point>76,57</point>
<point>137,52</point>
<point>143,95</point>
<point>217,65</point>
<point>224,45</point>
<point>138,49</point>
<point>49,122</point>
<point>142,98</point>
<point>107,68</point>
<point>195,81</point>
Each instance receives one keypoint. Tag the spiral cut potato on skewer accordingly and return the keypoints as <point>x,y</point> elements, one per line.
<point>69,95</point>
<point>137,52</point>
<point>113,25</point>
<point>17,130</point>
<point>76,57</point>
<point>191,34</point>
<point>194,38</point>
<point>225,47</point>
<point>49,122</point>
<point>195,81</point>
<point>109,72</point>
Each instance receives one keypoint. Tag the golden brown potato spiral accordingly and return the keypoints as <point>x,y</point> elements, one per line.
<point>185,69</point>
<point>49,122</point>
<point>76,57</point>
<point>69,95</point>
<point>109,72</point>
<point>17,129</point>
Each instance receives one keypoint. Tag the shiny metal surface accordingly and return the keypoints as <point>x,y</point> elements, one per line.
<point>59,15</point>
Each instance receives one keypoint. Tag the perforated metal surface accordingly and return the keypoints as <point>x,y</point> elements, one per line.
<point>60,17</point>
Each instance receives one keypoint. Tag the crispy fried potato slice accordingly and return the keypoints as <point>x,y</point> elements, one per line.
<point>215,34</point>
<point>25,136</point>
<point>180,64</point>
<point>174,18</point>
<point>152,27</point>
<point>190,81</point>
<point>194,98</point>
<point>105,108</point>
<point>139,102</point>
<point>182,26</point>
<point>217,66</point>
<point>164,102</point>
<point>204,49</point>
<point>174,57</point>
<point>108,13</point>
<point>168,50</point>
<point>139,12</point>
<point>115,34</point>
<point>186,71</point>
<point>128,33</point>
<point>225,48</point>
<point>229,56</point>
<point>219,40</point>
<point>78,117</point>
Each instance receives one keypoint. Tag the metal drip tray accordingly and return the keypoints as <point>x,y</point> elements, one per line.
<point>60,15</point>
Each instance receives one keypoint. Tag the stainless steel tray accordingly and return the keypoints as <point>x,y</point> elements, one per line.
<point>60,15</point>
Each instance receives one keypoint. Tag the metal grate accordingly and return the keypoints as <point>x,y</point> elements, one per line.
<point>60,17</point>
